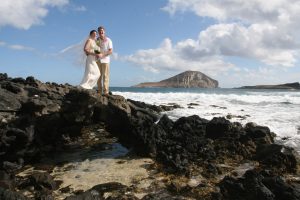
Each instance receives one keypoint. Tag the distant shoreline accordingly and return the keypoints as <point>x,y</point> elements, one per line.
<point>286,86</point>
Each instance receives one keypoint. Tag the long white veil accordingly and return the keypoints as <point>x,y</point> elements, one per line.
<point>82,56</point>
<point>75,53</point>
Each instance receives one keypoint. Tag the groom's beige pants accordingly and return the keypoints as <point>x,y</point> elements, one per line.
<point>103,81</point>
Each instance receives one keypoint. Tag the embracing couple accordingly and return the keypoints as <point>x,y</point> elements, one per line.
<point>98,51</point>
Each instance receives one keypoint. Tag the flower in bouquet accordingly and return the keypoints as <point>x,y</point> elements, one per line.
<point>98,42</point>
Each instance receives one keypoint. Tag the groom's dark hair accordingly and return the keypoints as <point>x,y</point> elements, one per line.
<point>101,27</point>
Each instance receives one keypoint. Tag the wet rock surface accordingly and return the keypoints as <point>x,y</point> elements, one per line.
<point>194,158</point>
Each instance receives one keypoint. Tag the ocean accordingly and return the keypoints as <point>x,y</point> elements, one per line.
<point>277,109</point>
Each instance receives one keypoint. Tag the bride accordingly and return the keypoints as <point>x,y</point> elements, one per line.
<point>92,73</point>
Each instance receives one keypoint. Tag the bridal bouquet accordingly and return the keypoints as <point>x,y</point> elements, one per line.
<point>98,42</point>
<point>97,49</point>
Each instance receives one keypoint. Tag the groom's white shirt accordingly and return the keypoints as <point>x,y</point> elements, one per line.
<point>104,47</point>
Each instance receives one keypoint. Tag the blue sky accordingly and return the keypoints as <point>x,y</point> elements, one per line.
<point>233,41</point>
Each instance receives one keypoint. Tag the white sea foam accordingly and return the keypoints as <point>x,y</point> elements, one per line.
<point>279,110</point>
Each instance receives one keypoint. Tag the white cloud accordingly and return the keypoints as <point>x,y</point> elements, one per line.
<point>25,13</point>
<point>174,57</point>
<point>262,42</point>
<point>251,11</point>
<point>17,47</point>
<point>262,31</point>
<point>214,44</point>
<point>259,76</point>
<point>20,47</point>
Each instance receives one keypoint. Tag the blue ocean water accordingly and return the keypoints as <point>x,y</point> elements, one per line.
<point>277,109</point>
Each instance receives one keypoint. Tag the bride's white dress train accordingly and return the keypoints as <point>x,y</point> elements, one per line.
<point>92,73</point>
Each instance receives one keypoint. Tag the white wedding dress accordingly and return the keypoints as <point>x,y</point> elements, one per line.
<point>92,73</point>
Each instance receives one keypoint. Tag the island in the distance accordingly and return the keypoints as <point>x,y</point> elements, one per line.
<point>289,86</point>
<point>187,79</point>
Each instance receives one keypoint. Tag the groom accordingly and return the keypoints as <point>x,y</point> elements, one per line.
<point>106,48</point>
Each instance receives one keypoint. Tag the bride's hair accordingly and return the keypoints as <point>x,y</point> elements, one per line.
<point>92,31</point>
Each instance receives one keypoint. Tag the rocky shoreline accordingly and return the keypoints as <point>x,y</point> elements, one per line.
<point>190,158</point>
